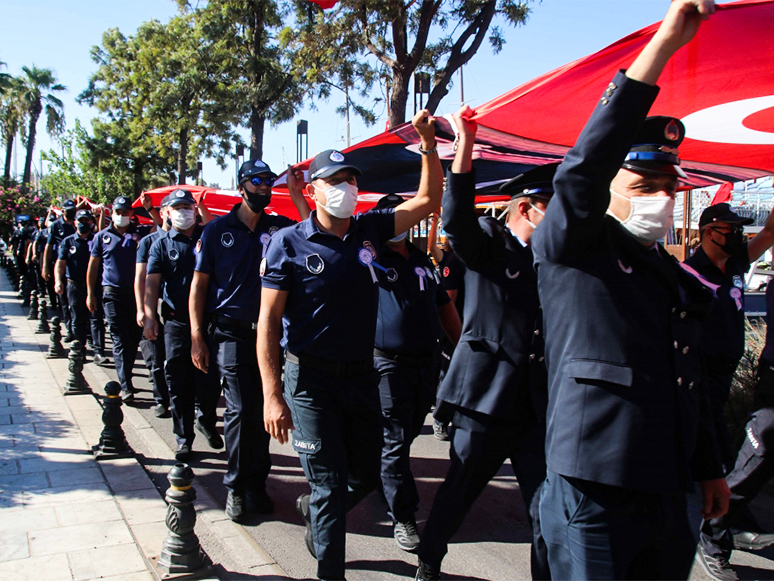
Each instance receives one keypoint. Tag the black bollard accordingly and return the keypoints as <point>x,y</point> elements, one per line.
<point>181,552</point>
<point>20,294</point>
<point>76,383</point>
<point>34,306</point>
<point>55,349</point>
<point>112,442</point>
<point>43,326</point>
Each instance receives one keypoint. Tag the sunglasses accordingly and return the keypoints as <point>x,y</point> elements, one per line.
<point>732,230</point>
<point>258,180</point>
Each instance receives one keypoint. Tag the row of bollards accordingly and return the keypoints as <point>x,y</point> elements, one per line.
<point>181,553</point>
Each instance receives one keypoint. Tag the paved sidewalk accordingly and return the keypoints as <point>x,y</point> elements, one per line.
<point>62,514</point>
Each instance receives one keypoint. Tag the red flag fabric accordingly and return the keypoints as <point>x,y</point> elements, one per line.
<point>325,4</point>
<point>723,195</point>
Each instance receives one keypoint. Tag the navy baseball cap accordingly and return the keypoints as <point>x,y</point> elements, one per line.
<point>538,181</point>
<point>655,147</point>
<point>389,201</point>
<point>68,205</point>
<point>253,167</point>
<point>328,162</point>
<point>84,214</point>
<point>722,213</point>
<point>122,203</point>
<point>179,196</point>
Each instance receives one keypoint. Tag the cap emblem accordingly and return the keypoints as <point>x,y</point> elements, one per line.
<point>337,157</point>
<point>121,200</point>
<point>671,131</point>
<point>180,194</point>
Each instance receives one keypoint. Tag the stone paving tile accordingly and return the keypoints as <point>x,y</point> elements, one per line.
<point>5,419</point>
<point>28,519</point>
<point>79,537</point>
<point>117,560</point>
<point>150,537</point>
<point>53,461</point>
<point>20,429</point>
<point>24,482</point>
<point>126,474</point>
<point>87,512</point>
<point>69,494</point>
<point>142,506</point>
<point>14,546</point>
<point>50,568</point>
<point>8,467</point>
<point>134,577</point>
<point>78,476</point>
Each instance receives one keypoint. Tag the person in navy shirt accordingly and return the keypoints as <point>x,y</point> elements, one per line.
<point>115,250</point>
<point>319,302</point>
<point>58,230</point>
<point>225,295</point>
<point>171,262</point>
<point>413,309</point>
<point>70,274</point>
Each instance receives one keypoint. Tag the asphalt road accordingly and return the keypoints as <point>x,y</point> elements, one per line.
<point>493,543</point>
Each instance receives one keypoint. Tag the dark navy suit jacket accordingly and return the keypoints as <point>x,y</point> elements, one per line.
<point>623,323</point>
<point>489,371</point>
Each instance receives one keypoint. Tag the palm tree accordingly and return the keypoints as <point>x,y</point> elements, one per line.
<point>38,86</point>
<point>11,118</point>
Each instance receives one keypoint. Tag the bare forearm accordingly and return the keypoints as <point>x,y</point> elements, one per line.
<point>196,303</point>
<point>268,351</point>
<point>139,284</point>
<point>151,294</point>
<point>59,272</point>
<point>92,274</point>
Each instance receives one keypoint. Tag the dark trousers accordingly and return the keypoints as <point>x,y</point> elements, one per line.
<point>84,322</point>
<point>480,444</point>
<point>154,354</point>
<point>719,380</point>
<point>67,318</point>
<point>598,531</point>
<point>185,381</point>
<point>406,394</point>
<point>754,468</point>
<point>338,437</point>
<point>121,313</point>
<point>247,443</point>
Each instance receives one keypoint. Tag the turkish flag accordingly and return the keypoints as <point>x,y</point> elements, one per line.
<point>723,195</point>
<point>325,4</point>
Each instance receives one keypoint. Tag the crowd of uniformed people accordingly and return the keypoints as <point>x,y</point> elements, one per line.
<point>567,341</point>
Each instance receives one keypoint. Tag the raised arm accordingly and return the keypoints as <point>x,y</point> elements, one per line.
<point>295,178</point>
<point>428,198</point>
<point>432,239</point>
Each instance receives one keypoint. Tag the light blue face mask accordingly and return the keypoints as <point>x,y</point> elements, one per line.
<point>399,237</point>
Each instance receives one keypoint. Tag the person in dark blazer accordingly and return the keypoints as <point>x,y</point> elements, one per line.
<point>487,392</point>
<point>625,437</point>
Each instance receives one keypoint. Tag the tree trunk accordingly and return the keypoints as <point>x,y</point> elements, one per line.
<point>257,122</point>
<point>8,156</point>
<point>34,114</point>
<point>399,98</point>
<point>438,93</point>
<point>182,154</point>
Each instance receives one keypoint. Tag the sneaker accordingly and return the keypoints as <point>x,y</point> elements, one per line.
<point>213,437</point>
<point>717,568</point>
<point>302,507</point>
<point>259,501</point>
<point>406,535</point>
<point>100,359</point>
<point>127,396</point>
<point>750,541</point>
<point>439,431</point>
<point>426,573</point>
<point>235,506</point>
<point>183,453</point>
<point>161,411</point>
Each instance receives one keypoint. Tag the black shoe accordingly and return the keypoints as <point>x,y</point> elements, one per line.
<point>235,506</point>
<point>160,410</point>
<point>426,573</point>
<point>127,396</point>
<point>213,437</point>
<point>183,453</point>
<point>259,501</point>
<point>69,337</point>
<point>302,507</point>
<point>406,535</point>
<point>750,541</point>
<point>717,568</point>
<point>100,359</point>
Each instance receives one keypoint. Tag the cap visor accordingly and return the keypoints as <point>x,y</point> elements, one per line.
<point>330,170</point>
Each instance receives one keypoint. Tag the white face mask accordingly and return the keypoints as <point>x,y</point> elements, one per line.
<point>341,200</point>
<point>121,221</point>
<point>650,217</point>
<point>182,219</point>
<point>539,211</point>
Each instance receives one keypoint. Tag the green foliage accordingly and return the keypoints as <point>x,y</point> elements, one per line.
<point>740,400</point>
<point>13,201</point>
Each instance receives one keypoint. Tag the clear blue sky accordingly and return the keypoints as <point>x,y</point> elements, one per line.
<point>59,34</point>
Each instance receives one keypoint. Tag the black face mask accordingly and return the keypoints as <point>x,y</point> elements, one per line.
<point>734,242</point>
<point>84,228</point>
<point>256,202</point>
<point>70,214</point>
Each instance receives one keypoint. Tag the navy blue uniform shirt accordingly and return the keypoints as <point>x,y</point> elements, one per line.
<point>332,296</point>
<point>408,320</point>
<point>119,254</point>
<point>722,339</point>
<point>172,256</point>
<point>452,271</point>
<point>768,349</point>
<point>143,248</point>
<point>40,242</point>
<point>58,231</point>
<point>231,254</point>
<point>75,251</point>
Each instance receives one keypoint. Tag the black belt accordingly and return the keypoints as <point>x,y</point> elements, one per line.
<point>226,320</point>
<point>337,368</point>
<point>169,314</point>
<point>76,284</point>
<point>114,290</point>
<point>420,360</point>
